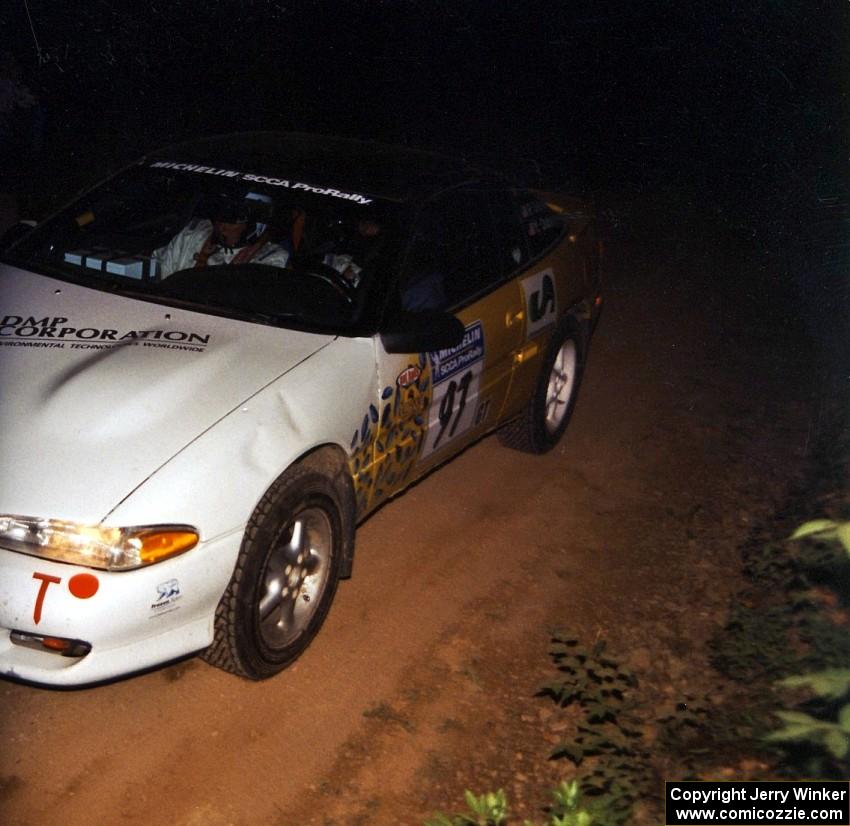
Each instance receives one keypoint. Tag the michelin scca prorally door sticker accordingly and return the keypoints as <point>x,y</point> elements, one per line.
<point>541,301</point>
<point>455,373</point>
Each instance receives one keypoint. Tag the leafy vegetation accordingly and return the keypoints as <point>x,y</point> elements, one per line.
<point>791,617</point>
<point>610,729</point>
<point>816,732</point>
<point>608,744</point>
<point>785,643</point>
<point>491,809</point>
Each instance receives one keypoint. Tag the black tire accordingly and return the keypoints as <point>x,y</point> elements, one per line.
<point>285,577</point>
<point>545,418</point>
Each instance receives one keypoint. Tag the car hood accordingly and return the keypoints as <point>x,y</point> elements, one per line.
<point>97,391</point>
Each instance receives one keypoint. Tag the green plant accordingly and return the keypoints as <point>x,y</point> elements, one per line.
<point>780,625</point>
<point>817,731</point>
<point>610,731</point>
<point>831,684</point>
<point>568,809</point>
<point>782,622</point>
<point>819,736</point>
<point>835,737</point>
<point>483,810</point>
<point>596,682</point>
<point>754,644</point>
<point>826,529</point>
<point>491,809</point>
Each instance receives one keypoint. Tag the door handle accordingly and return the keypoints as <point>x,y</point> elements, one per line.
<point>526,353</point>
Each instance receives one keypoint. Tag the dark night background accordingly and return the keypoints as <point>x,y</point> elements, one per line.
<point>739,110</point>
<point>713,136</point>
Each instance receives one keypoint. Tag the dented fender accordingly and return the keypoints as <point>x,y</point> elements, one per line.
<point>230,466</point>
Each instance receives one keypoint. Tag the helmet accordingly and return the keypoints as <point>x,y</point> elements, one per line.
<point>254,210</point>
<point>260,208</point>
<point>228,209</point>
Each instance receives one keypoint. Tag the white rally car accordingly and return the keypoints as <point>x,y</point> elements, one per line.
<point>216,363</point>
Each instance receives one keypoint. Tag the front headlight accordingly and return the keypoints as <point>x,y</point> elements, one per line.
<point>96,546</point>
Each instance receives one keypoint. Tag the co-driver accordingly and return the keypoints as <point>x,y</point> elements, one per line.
<point>230,236</point>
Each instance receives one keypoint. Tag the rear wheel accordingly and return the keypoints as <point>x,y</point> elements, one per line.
<point>285,577</point>
<point>547,414</point>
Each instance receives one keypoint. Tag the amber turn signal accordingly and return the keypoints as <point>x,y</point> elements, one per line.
<point>158,545</point>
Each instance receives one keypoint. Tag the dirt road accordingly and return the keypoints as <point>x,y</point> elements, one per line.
<point>421,682</point>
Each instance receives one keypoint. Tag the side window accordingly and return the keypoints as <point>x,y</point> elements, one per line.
<point>510,249</point>
<point>452,256</point>
<point>541,226</point>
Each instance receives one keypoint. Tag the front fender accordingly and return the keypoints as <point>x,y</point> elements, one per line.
<point>216,481</point>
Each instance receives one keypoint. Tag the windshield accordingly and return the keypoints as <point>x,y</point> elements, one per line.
<point>253,246</point>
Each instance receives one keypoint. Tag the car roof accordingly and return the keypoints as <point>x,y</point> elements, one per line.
<point>384,171</point>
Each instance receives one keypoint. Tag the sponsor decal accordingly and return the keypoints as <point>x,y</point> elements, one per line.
<point>46,581</point>
<point>392,432</point>
<point>81,586</point>
<point>456,372</point>
<point>455,409</point>
<point>453,360</point>
<point>167,594</point>
<point>408,376</point>
<point>262,179</point>
<point>541,301</point>
<point>59,332</point>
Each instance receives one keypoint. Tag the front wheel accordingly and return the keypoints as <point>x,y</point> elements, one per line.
<point>285,577</point>
<point>547,414</point>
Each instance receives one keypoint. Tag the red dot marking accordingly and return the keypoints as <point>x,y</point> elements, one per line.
<point>83,586</point>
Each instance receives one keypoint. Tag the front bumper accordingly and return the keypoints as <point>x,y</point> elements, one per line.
<point>131,619</point>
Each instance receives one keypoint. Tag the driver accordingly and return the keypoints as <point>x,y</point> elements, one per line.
<point>357,251</point>
<point>232,235</point>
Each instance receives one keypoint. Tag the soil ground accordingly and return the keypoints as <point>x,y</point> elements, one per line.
<point>695,418</point>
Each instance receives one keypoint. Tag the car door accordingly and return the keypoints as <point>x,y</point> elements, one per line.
<point>434,403</point>
<point>551,283</point>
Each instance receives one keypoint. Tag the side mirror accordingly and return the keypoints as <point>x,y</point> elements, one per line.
<point>14,233</point>
<point>421,332</point>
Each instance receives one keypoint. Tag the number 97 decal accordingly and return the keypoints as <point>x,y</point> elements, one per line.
<point>452,410</point>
